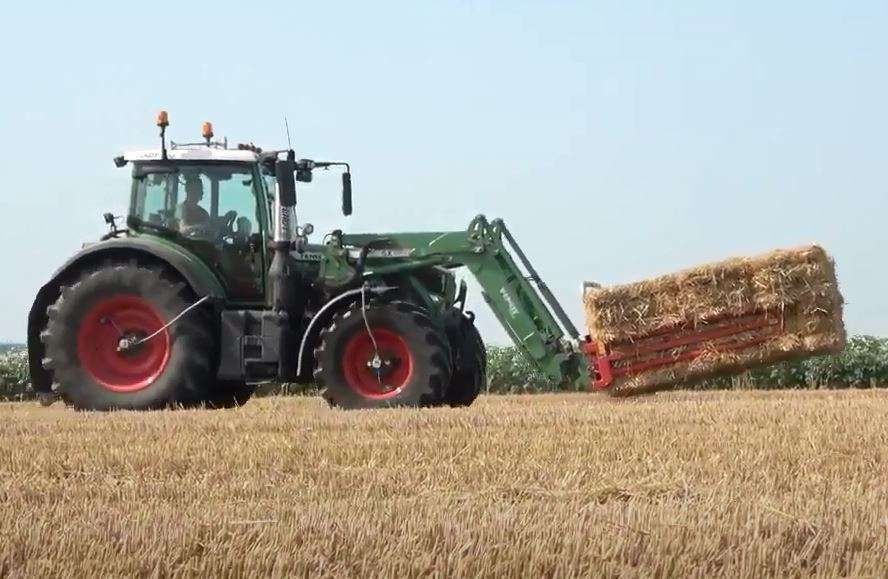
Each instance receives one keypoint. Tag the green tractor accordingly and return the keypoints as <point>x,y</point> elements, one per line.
<point>213,287</point>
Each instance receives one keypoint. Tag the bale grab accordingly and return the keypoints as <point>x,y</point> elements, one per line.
<point>715,319</point>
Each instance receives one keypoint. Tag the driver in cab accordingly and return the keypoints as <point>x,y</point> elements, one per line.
<point>194,221</point>
<point>190,213</point>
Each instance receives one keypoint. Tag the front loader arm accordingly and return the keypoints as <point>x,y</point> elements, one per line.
<point>523,304</point>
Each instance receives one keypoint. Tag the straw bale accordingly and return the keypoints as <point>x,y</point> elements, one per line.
<point>798,286</point>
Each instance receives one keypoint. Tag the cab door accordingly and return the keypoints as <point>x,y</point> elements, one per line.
<point>238,205</point>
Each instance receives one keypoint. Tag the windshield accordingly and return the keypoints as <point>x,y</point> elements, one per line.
<point>210,202</point>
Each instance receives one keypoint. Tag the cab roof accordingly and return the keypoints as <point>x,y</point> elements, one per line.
<point>194,154</point>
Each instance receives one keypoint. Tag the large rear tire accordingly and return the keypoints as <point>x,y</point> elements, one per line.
<point>83,336</point>
<point>412,367</point>
<point>469,361</point>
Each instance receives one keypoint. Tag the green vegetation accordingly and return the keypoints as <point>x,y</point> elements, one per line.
<point>4,348</point>
<point>14,381</point>
<point>863,364</point>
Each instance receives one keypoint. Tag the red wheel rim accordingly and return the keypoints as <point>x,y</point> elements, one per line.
<point>391,378</point>
<point>99,337</point>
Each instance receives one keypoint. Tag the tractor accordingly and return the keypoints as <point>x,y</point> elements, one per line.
<point>214,286</point>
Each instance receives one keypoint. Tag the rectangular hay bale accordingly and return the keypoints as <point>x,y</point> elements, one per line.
<point>798,286</point>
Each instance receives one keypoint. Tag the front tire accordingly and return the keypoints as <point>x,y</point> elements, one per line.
<point>470,361</point>
<point>402,361</point>
<point>83,337</point>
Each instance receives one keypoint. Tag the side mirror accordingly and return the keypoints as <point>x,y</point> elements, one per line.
<point>283,172</point>
<point>346,194</point>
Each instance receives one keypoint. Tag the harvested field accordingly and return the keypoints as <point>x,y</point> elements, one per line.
<point>786,302</point>
<point>692,484</point>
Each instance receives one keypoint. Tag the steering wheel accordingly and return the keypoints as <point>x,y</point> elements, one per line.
<point>217,229</point>
<point>199,231</point>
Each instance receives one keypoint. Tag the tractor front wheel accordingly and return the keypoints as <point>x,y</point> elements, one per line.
<point>107,348</point>
<point>387,355</point>
<point>469,360</point>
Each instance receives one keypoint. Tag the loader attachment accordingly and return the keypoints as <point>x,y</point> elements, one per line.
<point>715,319</point>
<point>677,345</point>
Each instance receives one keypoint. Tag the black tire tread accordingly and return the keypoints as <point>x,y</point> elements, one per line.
<point>469,376</point>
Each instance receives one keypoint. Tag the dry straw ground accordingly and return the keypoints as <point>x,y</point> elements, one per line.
<point>693,484</point>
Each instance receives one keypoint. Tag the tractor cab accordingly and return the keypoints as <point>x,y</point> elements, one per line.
<point>220,204</point>
<point>212,201</point>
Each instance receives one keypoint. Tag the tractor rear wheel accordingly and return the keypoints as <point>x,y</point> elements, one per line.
<point>90,333</point>
<point>403,359</point>
<point>469,361</point>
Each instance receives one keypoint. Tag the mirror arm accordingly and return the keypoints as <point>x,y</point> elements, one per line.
<point>327,164</point>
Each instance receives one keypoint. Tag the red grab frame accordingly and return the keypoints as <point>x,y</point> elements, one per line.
<point>678,344</point>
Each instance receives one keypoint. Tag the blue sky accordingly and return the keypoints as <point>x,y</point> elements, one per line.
<point>619,140</point>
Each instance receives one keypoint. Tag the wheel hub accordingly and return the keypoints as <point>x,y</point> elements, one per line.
<point>377,367</point>
<point>380,364</point>
<point>382,368</point>
<point>130,343</point>
<point>110,347</point>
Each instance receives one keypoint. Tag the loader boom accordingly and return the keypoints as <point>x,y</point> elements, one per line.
<point>519,299</point>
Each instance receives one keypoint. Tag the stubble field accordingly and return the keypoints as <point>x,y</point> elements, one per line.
<point>692,484</point>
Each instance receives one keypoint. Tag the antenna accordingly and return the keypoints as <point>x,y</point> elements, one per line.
<point>287,128</point>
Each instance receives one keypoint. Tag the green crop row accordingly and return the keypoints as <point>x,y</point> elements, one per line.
<point>863,364</point>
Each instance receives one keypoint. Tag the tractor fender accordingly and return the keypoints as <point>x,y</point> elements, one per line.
<point>194,272</point>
